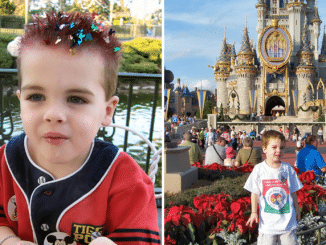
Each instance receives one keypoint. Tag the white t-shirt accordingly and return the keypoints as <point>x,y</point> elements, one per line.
<point>277,214</point>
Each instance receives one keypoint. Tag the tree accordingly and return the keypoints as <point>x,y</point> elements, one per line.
<point>142,55</point>
<point>208,108</point>
<point>321,117</point>
<point>221,117</point>
<point>7,7</point>
<point>20,7</point>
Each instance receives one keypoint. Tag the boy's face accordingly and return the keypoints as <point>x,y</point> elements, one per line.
<point>274,150</point>
<point>63,104</point>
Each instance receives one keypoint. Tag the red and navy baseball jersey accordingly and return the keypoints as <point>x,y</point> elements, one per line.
<point>110,195</point>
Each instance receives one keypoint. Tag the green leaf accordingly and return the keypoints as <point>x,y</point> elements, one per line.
<point>191,231</point>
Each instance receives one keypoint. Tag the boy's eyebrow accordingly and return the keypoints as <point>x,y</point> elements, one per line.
<point>81,91</point>
<point>32,87</point>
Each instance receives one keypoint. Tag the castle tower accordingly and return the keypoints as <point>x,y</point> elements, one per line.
<point>322,56</point>
<point>245,73</point>
<point>305,71</point>
<point>233,56</point>
<point>316,22</point>
<point>222,70</point>
<point>296,10</point>
<point>261,15</point>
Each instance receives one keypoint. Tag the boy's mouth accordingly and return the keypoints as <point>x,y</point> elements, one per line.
<point>55,138</point>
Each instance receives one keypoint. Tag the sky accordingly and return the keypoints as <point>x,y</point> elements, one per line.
<point>193,35</point>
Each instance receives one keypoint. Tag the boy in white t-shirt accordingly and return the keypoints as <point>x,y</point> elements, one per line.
<point>273,185</point>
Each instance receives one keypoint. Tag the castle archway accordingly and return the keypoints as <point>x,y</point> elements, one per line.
<point>271,103</point>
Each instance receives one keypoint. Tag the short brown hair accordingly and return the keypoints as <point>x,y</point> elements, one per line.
<point>310,139</point>
<point>66,27</point>
<point>271,134</point>
<point>247,141</point>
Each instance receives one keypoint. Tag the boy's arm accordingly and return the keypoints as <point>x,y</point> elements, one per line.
<point>132,214</point>
<point>8,237</point>
<point>254,214</point>
<point>296,205</point>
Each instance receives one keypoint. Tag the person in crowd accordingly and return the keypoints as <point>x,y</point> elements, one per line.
<point>296,133</point>
<point>210,139</point>
<point>242,137</point>
<point>299,146</point>
<point>233,131</point>
<point>287,134</point>
<point>252,134</point>
<point>226,134</point>
<point>234,142</point>
<point>216,153</point>
<point>194,151</point>
<point>273,185</point>
<point>320,135</point>
<point>309,157</point>
<point>230,154</point>
<point>194,136</point>
<point>248,154</point>
<point>219,132</point>
<point>202,138</point>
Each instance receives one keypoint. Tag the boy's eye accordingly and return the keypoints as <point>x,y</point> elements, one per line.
<point>36,97</point>
<point>76,100</point>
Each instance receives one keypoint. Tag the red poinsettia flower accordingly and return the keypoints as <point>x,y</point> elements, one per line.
<point>307,177</point>
<point>179,213</point>
<point>169,241</point>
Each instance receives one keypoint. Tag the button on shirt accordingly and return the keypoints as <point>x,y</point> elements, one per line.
<point>309,158</point>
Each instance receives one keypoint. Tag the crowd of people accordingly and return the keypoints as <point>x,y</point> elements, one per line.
<point>223,146</point>
<point>227,147</point>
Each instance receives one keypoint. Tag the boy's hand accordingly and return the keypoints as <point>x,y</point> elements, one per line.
<point>102,241</point>
<point>253,218</point>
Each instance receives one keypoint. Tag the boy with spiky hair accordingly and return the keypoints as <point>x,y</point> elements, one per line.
<point>273,185</point>
<point>58,184</point>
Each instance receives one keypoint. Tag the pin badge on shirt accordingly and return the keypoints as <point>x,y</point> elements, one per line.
<point>12,209</point>
<point>282,177</point>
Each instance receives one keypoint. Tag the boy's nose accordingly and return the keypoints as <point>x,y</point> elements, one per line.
<point>54,114</point>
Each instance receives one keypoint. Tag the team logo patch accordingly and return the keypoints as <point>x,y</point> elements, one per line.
<point>84,233</point>
<point>59,238</point>
<point>12,209</point>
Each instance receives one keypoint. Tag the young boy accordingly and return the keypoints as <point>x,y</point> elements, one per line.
<point>273,185</point>
<point>58,184</point>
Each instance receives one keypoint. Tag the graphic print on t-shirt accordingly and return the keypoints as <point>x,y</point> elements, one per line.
<point>276,195</point>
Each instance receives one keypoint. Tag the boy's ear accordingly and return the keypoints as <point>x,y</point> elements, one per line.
<point>111,104</point>
<point>264,149</point>
<point>18,94</point>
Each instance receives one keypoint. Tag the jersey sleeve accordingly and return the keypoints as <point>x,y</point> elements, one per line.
<point>132,214</point>
<point>4,219</point>
<point>252,183</point>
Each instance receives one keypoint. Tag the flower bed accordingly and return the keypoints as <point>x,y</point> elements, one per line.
<point>216,218</point>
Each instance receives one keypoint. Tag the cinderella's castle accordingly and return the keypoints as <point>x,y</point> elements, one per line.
<point>286,69</point>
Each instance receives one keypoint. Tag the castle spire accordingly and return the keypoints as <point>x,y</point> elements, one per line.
<point>316,17</point>
<point>245,45</point>
<point>305,43</point>
<point>322,56</point>
<point>224,51</point>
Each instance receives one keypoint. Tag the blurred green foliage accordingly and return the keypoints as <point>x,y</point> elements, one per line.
<point>142,55</point>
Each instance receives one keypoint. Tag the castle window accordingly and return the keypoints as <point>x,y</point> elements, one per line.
<point>275,2</point>
<point>274,10</point>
